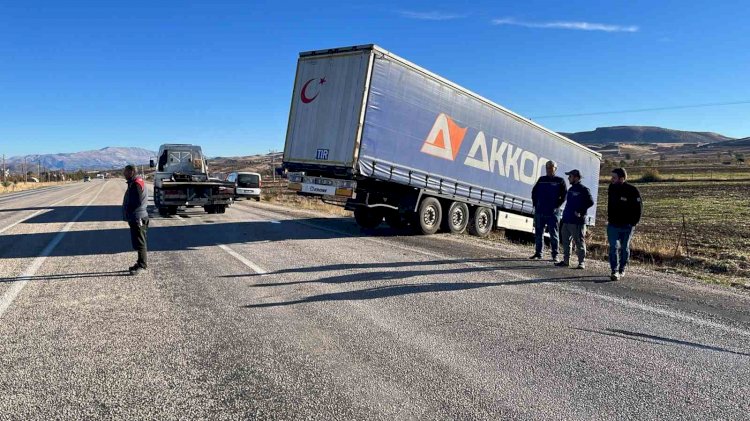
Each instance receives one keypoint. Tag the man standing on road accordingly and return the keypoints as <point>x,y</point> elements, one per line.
<point>134,212</point>
<point>624,210</point>
<point>577,202</point>
<point>547,196</point>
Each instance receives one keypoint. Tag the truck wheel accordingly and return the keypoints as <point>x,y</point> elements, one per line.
<point>221,208</point>
<point>163,211</point>
<point>368,218</point>
<point>257,199</point>
<point>209,209</point>
<point>394,220</point>
<point>457,218</point>
<point>481,221</point>
<point>172,210</point>
<point>430,215</point>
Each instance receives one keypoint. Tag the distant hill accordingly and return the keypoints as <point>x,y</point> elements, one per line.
<point>643,134</point>
<point>743,143</point>
<point>105,158</point>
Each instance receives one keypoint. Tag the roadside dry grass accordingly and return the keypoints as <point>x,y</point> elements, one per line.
<point>301,202</point>
<point>21,186</point>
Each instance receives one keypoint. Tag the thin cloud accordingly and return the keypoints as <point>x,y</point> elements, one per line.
<point>577,26</point>
<point>433,15</point>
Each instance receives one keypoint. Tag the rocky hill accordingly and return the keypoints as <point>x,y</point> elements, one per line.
<point>643,134</point>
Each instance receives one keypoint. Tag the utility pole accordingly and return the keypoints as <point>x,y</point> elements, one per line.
<point>25,171</point>
<point>3,168</point>
<point>273,168</point>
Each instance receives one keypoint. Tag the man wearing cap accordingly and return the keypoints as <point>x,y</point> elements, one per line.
<point>624,210</point>
<point>547,196</point>
<point>577,202</point>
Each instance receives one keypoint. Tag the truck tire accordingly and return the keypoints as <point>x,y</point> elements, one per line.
<point>210,209</point>
<point>429,216</point>
<point>163,211</point>
<point>481,221</point>
<point>457,218</point>
<point>172,210</point>
<point>368,218</point>
<point>257,199</point>
<point>221,208</point>
<point>394,220</point>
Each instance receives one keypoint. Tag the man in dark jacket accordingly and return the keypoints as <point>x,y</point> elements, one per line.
<point>134,212</point>
<point>577,202</point>
<point>624,210</point>
<point>547,196</point>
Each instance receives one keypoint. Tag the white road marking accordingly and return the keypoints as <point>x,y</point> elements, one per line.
<point>37,213</point>
<point>30,271</point>
<point>259,270</point>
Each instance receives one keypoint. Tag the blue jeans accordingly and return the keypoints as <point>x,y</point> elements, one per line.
<point>621,234</point>
<point>552,222</point>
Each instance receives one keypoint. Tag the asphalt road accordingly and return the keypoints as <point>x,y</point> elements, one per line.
<point>272,313</point>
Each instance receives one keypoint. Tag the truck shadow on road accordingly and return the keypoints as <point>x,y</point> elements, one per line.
<point>360,266</point>
<point>388,291</point>
<point>179,236</point>
<point>658,340</point>
<point>58,214</point>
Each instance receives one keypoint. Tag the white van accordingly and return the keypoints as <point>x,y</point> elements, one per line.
<point>246,184</point>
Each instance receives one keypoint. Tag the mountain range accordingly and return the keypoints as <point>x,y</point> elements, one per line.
<point>101,159</point>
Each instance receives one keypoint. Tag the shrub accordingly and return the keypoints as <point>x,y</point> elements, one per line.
<point>650,176</point>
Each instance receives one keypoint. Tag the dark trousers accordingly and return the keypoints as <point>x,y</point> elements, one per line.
<point>552,223</point>
<point>619,234</point>
<point>138,239</point>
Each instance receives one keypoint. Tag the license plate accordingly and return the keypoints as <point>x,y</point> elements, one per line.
<point>318,189</point>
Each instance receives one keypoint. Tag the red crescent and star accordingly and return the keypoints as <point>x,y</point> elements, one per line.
<point>303,94</point>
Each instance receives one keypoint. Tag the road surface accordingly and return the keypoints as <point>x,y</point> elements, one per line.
<point>271,313</point>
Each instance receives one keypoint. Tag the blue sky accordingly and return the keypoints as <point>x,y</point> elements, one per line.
<point>85,75</point>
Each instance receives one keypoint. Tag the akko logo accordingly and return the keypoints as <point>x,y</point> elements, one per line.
<point>309,87</point>
<point>493,155</point>
<point>445,138</point>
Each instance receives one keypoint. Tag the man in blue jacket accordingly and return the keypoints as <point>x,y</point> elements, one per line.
<point>134,211</point>
<point>577,203</point>
<point>624,210</point>
<point>547,196</point>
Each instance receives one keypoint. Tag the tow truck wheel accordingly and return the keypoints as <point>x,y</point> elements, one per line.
<point>457,218</point>
<point>368,218</point>
<point>172,210</point>
<point>430,215</point>
<point>209,209</point>
<point>221,208</point>
<point>163,212</point>
<point>481,221</point>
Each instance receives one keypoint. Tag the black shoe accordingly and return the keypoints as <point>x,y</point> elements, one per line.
<point>562,264</point>
<point>536,256</point>
<point>137,269</point>
<point>132,268</point>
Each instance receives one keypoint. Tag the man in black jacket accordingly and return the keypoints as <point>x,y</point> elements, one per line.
<point>624,210</point>
<point>547,196</point>
<point>577,203</point>
<point>135,213</point>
